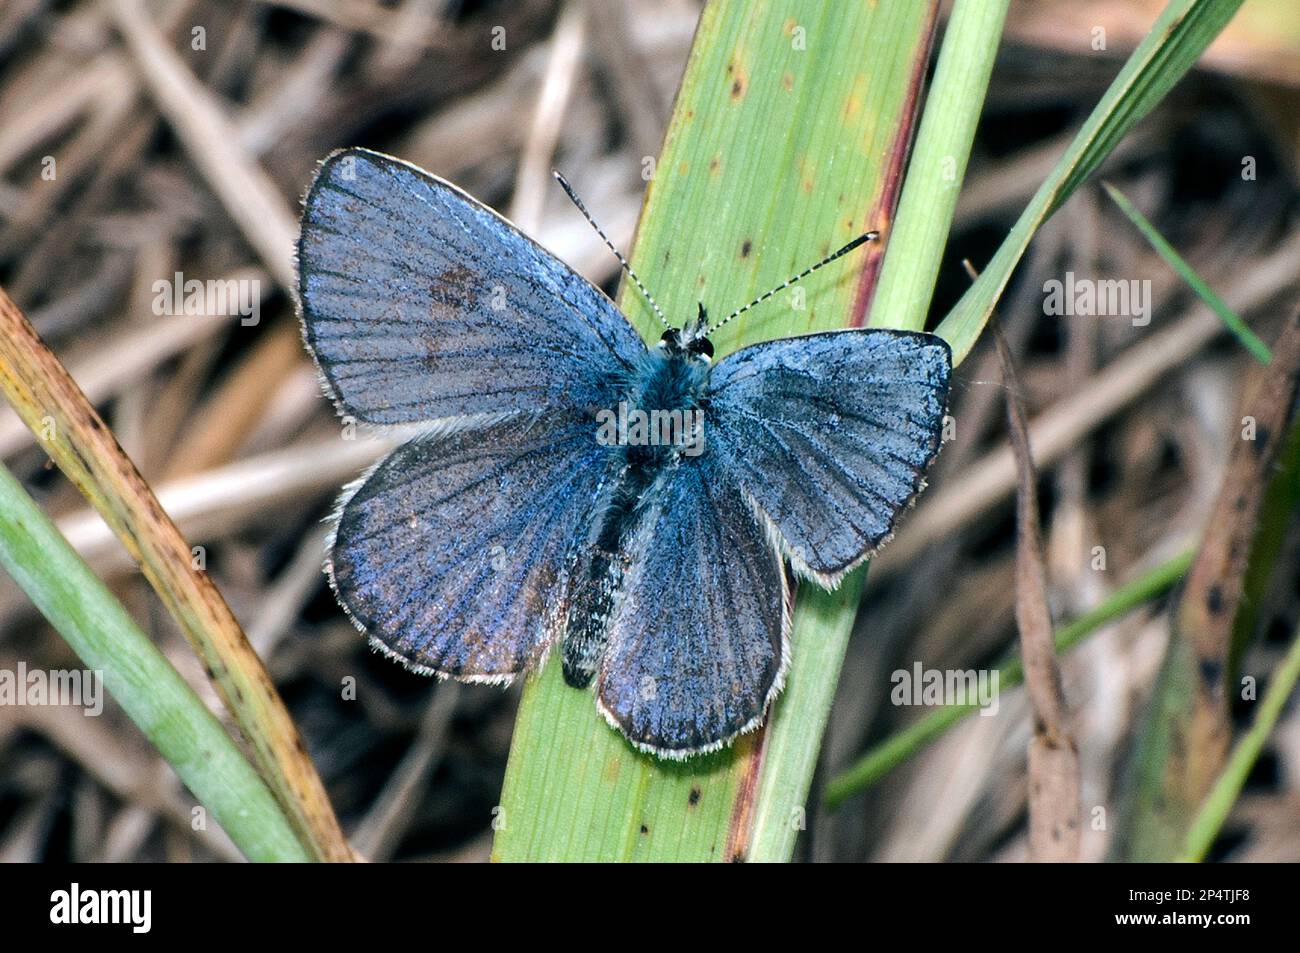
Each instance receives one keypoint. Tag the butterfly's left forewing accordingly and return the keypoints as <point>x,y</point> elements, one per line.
<point>420,303</point>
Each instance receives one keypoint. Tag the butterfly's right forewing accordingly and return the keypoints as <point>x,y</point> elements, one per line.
<point>831,435</point>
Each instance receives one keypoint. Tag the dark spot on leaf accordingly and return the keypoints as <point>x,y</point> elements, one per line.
<point>694,799</point>
<point>746,248</point>
<point>1210,670</point>
<point>1214,599</point>
<point>644,829</point>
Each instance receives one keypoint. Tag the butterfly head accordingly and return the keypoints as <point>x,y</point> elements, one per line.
<point>690,341</point>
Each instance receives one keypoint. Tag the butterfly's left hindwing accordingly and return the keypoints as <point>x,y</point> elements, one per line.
<point>830,435</point>
<point>453,554</point>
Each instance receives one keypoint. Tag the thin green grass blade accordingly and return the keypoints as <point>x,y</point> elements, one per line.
<point>787,139</point>
<point>1249,340</point>
<point>78,440</point>
<point>1218,803</point>
<point>1182,743</point>
<point>1179,36</point>
<point>144,683</point>
<point>901,746</point>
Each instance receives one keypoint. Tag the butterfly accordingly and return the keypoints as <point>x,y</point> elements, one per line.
<point>530,512</point>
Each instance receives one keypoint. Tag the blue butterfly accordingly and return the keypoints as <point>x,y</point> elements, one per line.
<point>532,511</point>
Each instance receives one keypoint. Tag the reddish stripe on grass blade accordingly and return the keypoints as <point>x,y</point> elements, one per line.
<point>880,213</point>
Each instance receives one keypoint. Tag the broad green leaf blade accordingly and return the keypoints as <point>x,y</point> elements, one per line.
<point>787,139</point>
<point>1179,36</point>
<point>146,685</point>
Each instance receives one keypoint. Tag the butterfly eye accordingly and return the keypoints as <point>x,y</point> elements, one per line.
<point>703,347</point>
<point>672,340</point>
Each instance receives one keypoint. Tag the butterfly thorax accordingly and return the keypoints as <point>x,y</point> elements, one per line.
<point>670,389</point>
<point>672,378</point>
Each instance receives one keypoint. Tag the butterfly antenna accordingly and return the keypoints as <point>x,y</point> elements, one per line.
<point>860,240</point>
<point>573,197</point>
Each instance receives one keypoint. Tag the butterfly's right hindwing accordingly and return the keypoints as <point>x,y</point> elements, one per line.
<point>697,640</point>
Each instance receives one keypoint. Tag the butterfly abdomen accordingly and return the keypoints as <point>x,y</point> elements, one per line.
<point>664,383</point>
<point>598,576</point>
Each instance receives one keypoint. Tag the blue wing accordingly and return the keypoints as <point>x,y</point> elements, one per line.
<point>697,637</point>
<point>453,554</point>
<point>830,435</point>
<point>420,303</point>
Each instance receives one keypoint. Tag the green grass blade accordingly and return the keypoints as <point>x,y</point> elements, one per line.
<point>134,672</point>
<point>1218,803</point>
<point>901,746</point>
<point>787,139</point>
<point>1179,36</point>
<point>902,300</point>
<point>78,440</point>
<point>1230,318</point>
<point>1172,776</point>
